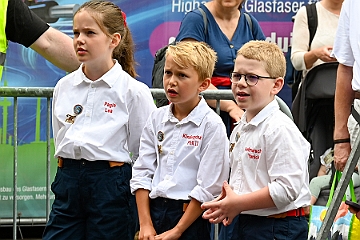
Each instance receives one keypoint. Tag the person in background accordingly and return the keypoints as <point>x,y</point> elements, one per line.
<point>99,111</point>
<point>269,180</point>
<point>227,30</point>
<point>347,52</point>
<point>183,157</point>
<point>304,58</point>
<point>23,26</point>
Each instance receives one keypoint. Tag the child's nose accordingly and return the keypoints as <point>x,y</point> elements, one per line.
<point>172,81</point>
<point>80,38</point>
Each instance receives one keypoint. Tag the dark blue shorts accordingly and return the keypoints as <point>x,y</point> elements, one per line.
<point>166,213</point>
<point>264,228</point>
<point>92,201</point>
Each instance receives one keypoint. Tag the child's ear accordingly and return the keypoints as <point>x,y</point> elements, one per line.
<point>116,38</point>
<point>278,85</point>
<point>204,84</point>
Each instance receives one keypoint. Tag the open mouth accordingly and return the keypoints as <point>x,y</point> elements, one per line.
<point>242,94</point>
<point>81,50</point>
<point>171,91</point>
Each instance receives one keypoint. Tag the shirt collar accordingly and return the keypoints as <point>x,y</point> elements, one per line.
<point>110,77</point>
<point>263,114</point>
<point>196,115</point>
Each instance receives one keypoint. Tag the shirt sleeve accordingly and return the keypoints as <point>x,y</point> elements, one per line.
<point>145,166</point>
<point>342,47</point>
<point>214,162</point>
<point>140,108</point>
<point>300,39</point>
<point>22,25</point>
<point>287,150</point>
<point>192,26</point>
<point>55,122</point>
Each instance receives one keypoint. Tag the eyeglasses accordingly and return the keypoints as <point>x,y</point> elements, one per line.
<point>250,79</point>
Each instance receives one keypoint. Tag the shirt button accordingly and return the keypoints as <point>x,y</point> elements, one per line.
<point>231,46</point>
<point>87,114</point>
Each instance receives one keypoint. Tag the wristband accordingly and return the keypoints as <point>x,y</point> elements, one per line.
<point>343,140</point>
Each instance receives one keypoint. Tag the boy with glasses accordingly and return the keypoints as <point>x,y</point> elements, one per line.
<point>269,180</point>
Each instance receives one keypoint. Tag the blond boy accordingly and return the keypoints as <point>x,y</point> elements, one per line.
<point>269,178</point>
<point>183,158</point>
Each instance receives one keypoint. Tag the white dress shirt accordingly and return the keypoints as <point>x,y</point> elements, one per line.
<point>108,115</point>
<point>347,40</point>
<point>270,151</point>
<point>182,159</point>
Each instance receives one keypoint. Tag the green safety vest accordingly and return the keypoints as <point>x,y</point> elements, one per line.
<point>3,40</point>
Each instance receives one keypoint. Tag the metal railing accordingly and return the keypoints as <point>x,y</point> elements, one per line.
<point>46,92</point>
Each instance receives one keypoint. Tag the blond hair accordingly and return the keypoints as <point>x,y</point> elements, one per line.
<point>110,19</point>
<point>196,54</point>
<point>269,54</point>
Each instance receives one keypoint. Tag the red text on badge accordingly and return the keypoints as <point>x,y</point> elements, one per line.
<point>109,106</point>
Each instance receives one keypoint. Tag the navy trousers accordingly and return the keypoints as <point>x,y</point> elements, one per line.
<point>166,213</point>
<point>92,201</point>
<point>264,228</point>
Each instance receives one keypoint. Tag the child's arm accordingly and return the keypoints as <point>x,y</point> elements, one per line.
<point>227,105</point>
<point>225,209</point>
<point>140,108</point>
<point>192,212</point>
<point>147,231</point>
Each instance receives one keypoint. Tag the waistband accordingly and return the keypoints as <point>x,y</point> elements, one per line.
<point>69,162</point>
<point>292,213</point>
<point>169,203</point>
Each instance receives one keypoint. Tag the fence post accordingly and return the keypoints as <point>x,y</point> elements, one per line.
<point>15,205</point>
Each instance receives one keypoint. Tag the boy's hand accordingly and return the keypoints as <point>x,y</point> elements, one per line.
<point>221,196</point>
<point>172,234</point>
<point>147,233</point>
<point>223,208</point>
<point>236,113</point>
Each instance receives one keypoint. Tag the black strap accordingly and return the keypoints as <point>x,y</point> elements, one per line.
<point>312,26</point>
<point>312,20</point>
<point>249,21</point>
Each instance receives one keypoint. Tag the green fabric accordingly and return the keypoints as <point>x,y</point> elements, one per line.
<point>337,177</point>
<point>3,40</point>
